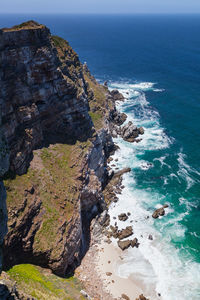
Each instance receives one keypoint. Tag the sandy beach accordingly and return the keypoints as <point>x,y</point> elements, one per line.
<point>108,258</point>
<point>98,271</point>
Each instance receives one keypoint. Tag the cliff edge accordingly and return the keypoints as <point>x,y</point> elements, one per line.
<point>55,123</point>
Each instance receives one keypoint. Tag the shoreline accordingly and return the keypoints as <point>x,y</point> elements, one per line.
<point>109,258</point>
<point>98,272</point>
<point>98,269</point>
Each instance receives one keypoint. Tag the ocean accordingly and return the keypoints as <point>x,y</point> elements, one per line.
<point>154,60</point>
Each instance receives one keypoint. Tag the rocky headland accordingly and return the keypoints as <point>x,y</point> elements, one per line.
<point>56,129</point>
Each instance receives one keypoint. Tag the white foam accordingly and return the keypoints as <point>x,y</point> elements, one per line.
<point>185,171</point>
<point>159,90</point>
<point>142,86</point>
<point>156,263</point>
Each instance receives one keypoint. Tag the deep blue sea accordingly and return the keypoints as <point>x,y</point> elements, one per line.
<point>155,62</point>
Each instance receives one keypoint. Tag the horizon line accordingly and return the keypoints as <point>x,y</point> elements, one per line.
<point>97,13</point>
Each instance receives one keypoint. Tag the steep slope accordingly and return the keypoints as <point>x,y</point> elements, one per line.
<point>58,149</point>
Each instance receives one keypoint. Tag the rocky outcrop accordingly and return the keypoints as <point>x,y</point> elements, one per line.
<point>117,96</point>
<point>159,212</point>
<point>123,217</point>
<point>123,245</point>
<point>130,132</point>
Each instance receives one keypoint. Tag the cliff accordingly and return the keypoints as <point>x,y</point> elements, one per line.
<point>4,165</point>
<point>55,123</point>
<point>42,91</point>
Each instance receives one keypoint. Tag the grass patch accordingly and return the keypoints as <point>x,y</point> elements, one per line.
<point>41,284</point>
<point>96,119</point>
<point>25,25</point>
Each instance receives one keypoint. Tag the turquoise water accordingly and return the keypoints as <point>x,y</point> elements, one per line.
<point>156,60</point>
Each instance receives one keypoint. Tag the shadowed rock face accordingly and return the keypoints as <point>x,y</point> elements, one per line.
<point>4,164</point>
<point>42,91</point>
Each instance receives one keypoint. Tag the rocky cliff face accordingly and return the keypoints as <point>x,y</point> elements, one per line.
<point>42,91</point>
<point>4,165</point>
<point>58,149</point>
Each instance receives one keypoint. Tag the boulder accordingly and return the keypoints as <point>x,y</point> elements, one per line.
<point>116,95</point>
<point>124,233</point>
<point>130,132</point>
<point>117,118</point>
<point>124,296</point>
<point>141,130</point>
<point>165,206</point>
<point>135,243</point>
<point>123,217</point>
<point>158,212</point>
<point>124,244</point>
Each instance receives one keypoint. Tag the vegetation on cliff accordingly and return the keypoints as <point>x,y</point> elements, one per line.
<point>33,281</point>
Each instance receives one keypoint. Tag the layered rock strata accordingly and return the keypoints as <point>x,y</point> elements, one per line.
<point>42,91</point>
<point>58,149</point>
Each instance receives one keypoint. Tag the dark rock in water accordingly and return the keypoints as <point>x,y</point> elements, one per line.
<point>130,132</point>
<point>124,244</point>
<point>138,140</point>
<point>122,172</point>
<point>124,233</point>
<point>150,237</point>
<point>105,83</point>
<point>117,118</point>
<point>123,217</point>
<point>159,212</point>
<point>108,273</point>
<point>135,243</point>
<point>141,130</point>
<point>117,96</point>
<point>165,206</point>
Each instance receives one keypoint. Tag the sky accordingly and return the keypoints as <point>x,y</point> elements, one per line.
<point>100,6</point>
